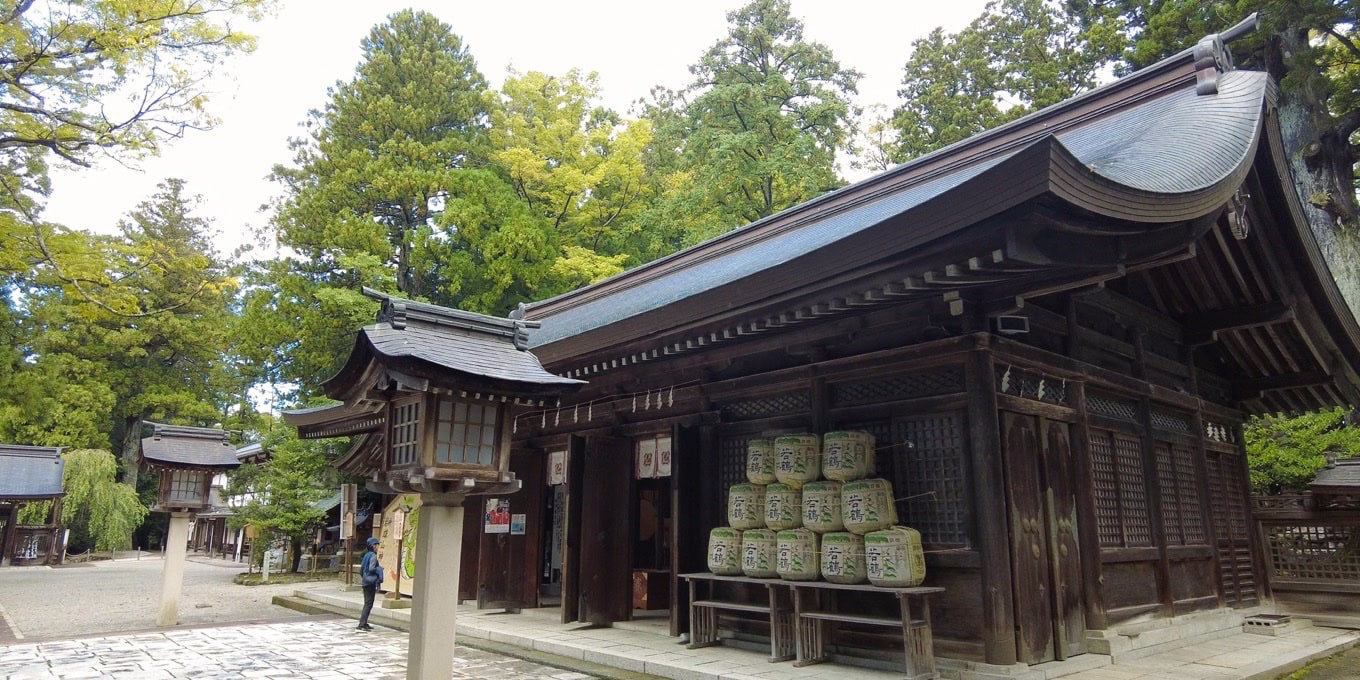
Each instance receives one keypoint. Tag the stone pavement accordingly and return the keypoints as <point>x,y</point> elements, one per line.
<point>315,649</point>
<point>644,646</point>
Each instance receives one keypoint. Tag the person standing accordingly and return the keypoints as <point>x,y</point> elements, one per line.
<point>370,577</point>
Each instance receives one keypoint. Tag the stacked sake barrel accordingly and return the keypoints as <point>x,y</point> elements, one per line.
<point>788,522</point>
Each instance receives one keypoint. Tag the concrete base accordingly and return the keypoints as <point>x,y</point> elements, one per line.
<point>1137,640</point>
<point>394,603</point>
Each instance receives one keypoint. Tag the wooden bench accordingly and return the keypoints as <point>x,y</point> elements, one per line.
<point>815,610</point>
<point>705,603</point>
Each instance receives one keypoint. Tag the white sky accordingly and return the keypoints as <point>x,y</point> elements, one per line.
<point>310,44</point>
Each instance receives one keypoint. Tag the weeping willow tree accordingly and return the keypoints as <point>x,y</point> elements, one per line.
<point>100,512</point>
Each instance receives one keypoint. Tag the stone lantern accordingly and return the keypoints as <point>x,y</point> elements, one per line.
<point>187,459</point>
<point>433,391</point>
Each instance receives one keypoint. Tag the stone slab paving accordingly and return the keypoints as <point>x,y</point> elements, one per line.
<point>312,649</point>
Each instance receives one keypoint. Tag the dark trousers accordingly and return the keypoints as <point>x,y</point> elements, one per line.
<point>370,592</point>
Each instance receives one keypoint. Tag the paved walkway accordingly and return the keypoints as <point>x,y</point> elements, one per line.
<point>314,649</point>
<point>644,646</point>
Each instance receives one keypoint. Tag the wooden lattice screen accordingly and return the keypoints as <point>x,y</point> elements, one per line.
<point>1182,516</point>
<point>731,467</point>
<point>1227,494</point>
<point>1122,519</point>
<point>1321,552</point>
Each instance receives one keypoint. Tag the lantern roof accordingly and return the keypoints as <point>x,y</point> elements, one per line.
<point>1341,477</point>
<point>421,347</point>
<point>30,472</point>
<point>175,446</point>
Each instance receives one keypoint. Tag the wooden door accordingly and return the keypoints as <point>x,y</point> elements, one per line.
<point>1065,550</point>
<point>606,538</point>
<point>1046,561</point>
<point>509,561</point>
<point>1228,494</point>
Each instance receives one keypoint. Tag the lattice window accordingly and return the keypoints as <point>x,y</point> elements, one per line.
<point>1028,384</point>
<point>405,432</point>
<point>929,482</point>
<point>944,380</point>
<point>186,487</point>
<point>1192,512</point>
<point>765,407</point>
<point>1122,518</point>
<point>1170,421</point>
<point>731,467</point>
<point>1111,407</point>
<point>465,433</point>
<point>1182,518</point>
<point>1315,552</point>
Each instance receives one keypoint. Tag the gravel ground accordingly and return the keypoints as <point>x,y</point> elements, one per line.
<point>124,595</point>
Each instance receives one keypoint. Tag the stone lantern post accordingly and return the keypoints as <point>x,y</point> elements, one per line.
<point>433,391</point>
<point>187,458</point>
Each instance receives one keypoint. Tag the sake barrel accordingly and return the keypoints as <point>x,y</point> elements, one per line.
<point>760,460</point>
<point>758,548</point>
<point>822,507</point>
<point>847,456</point>
<point>746,506</point>
<point>867,505</point>
<point>798,459</point>
<point>843,558</point>
<point>797,557</point>
<point>724,551</point>
<point>894,557</point>
<point>783,507</point>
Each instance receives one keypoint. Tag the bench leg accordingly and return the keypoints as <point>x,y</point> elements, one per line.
<point>703,627</point>
<point>782,644</point>
<point>919,646</point>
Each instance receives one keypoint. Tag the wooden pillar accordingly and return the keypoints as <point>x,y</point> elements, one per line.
<point>571,554</point>
<point>1088,535</point>
<point>990,515</point>
<point>1148,449</point>
<point>1206,505</point>
<point>7,545</point>
<point>434,607</point>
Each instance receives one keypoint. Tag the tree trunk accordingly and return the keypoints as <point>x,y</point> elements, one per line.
<point>132,447</point>
<point>1320,159</point>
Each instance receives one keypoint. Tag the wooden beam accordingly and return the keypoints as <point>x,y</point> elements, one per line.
<point>1204,328</point>
<point>1287,381</point>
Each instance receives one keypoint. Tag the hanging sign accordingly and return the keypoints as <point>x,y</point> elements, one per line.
<point>557,468</point>
<point>663,457</point>
<point>646,459</point>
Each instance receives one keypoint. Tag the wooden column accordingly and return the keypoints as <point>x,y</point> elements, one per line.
<point>1205,500</point>
<point>571,554</point>
<point>990,516</point>
<point>1148,449</point>
<point>1088,534</point>
<point>7,545</point>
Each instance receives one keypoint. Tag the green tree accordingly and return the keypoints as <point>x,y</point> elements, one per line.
<point>1285,452</point>
<point>143,337</point>
<point>100,512</point>
<point>757,130</point>
<point>1019,56</point>
<point>280,494</point>
<point>97,77</point>
<point>578,167</point>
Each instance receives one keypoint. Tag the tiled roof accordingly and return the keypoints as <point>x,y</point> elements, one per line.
<point>1342,477</point>
<point>175,446</point>
<point>30,472</point>
<point>1167,146</point>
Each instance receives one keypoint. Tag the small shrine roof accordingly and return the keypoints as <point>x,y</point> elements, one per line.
<point>30,472</point>
<point>191,447</point>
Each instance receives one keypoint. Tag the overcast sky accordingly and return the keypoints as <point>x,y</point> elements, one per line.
<point>310,44</point>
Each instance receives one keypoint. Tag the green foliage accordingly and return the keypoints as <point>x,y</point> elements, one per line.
<point>280,492</point>
<point>757,130</point>
<point>1019,56</point>
<point>101,513</point>
<point>578,168</point>
<point>133,327</point>
<point>1286,452</point>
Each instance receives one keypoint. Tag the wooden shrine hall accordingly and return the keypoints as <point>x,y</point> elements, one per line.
<point>1054,331</point>
<point>30,474</point>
